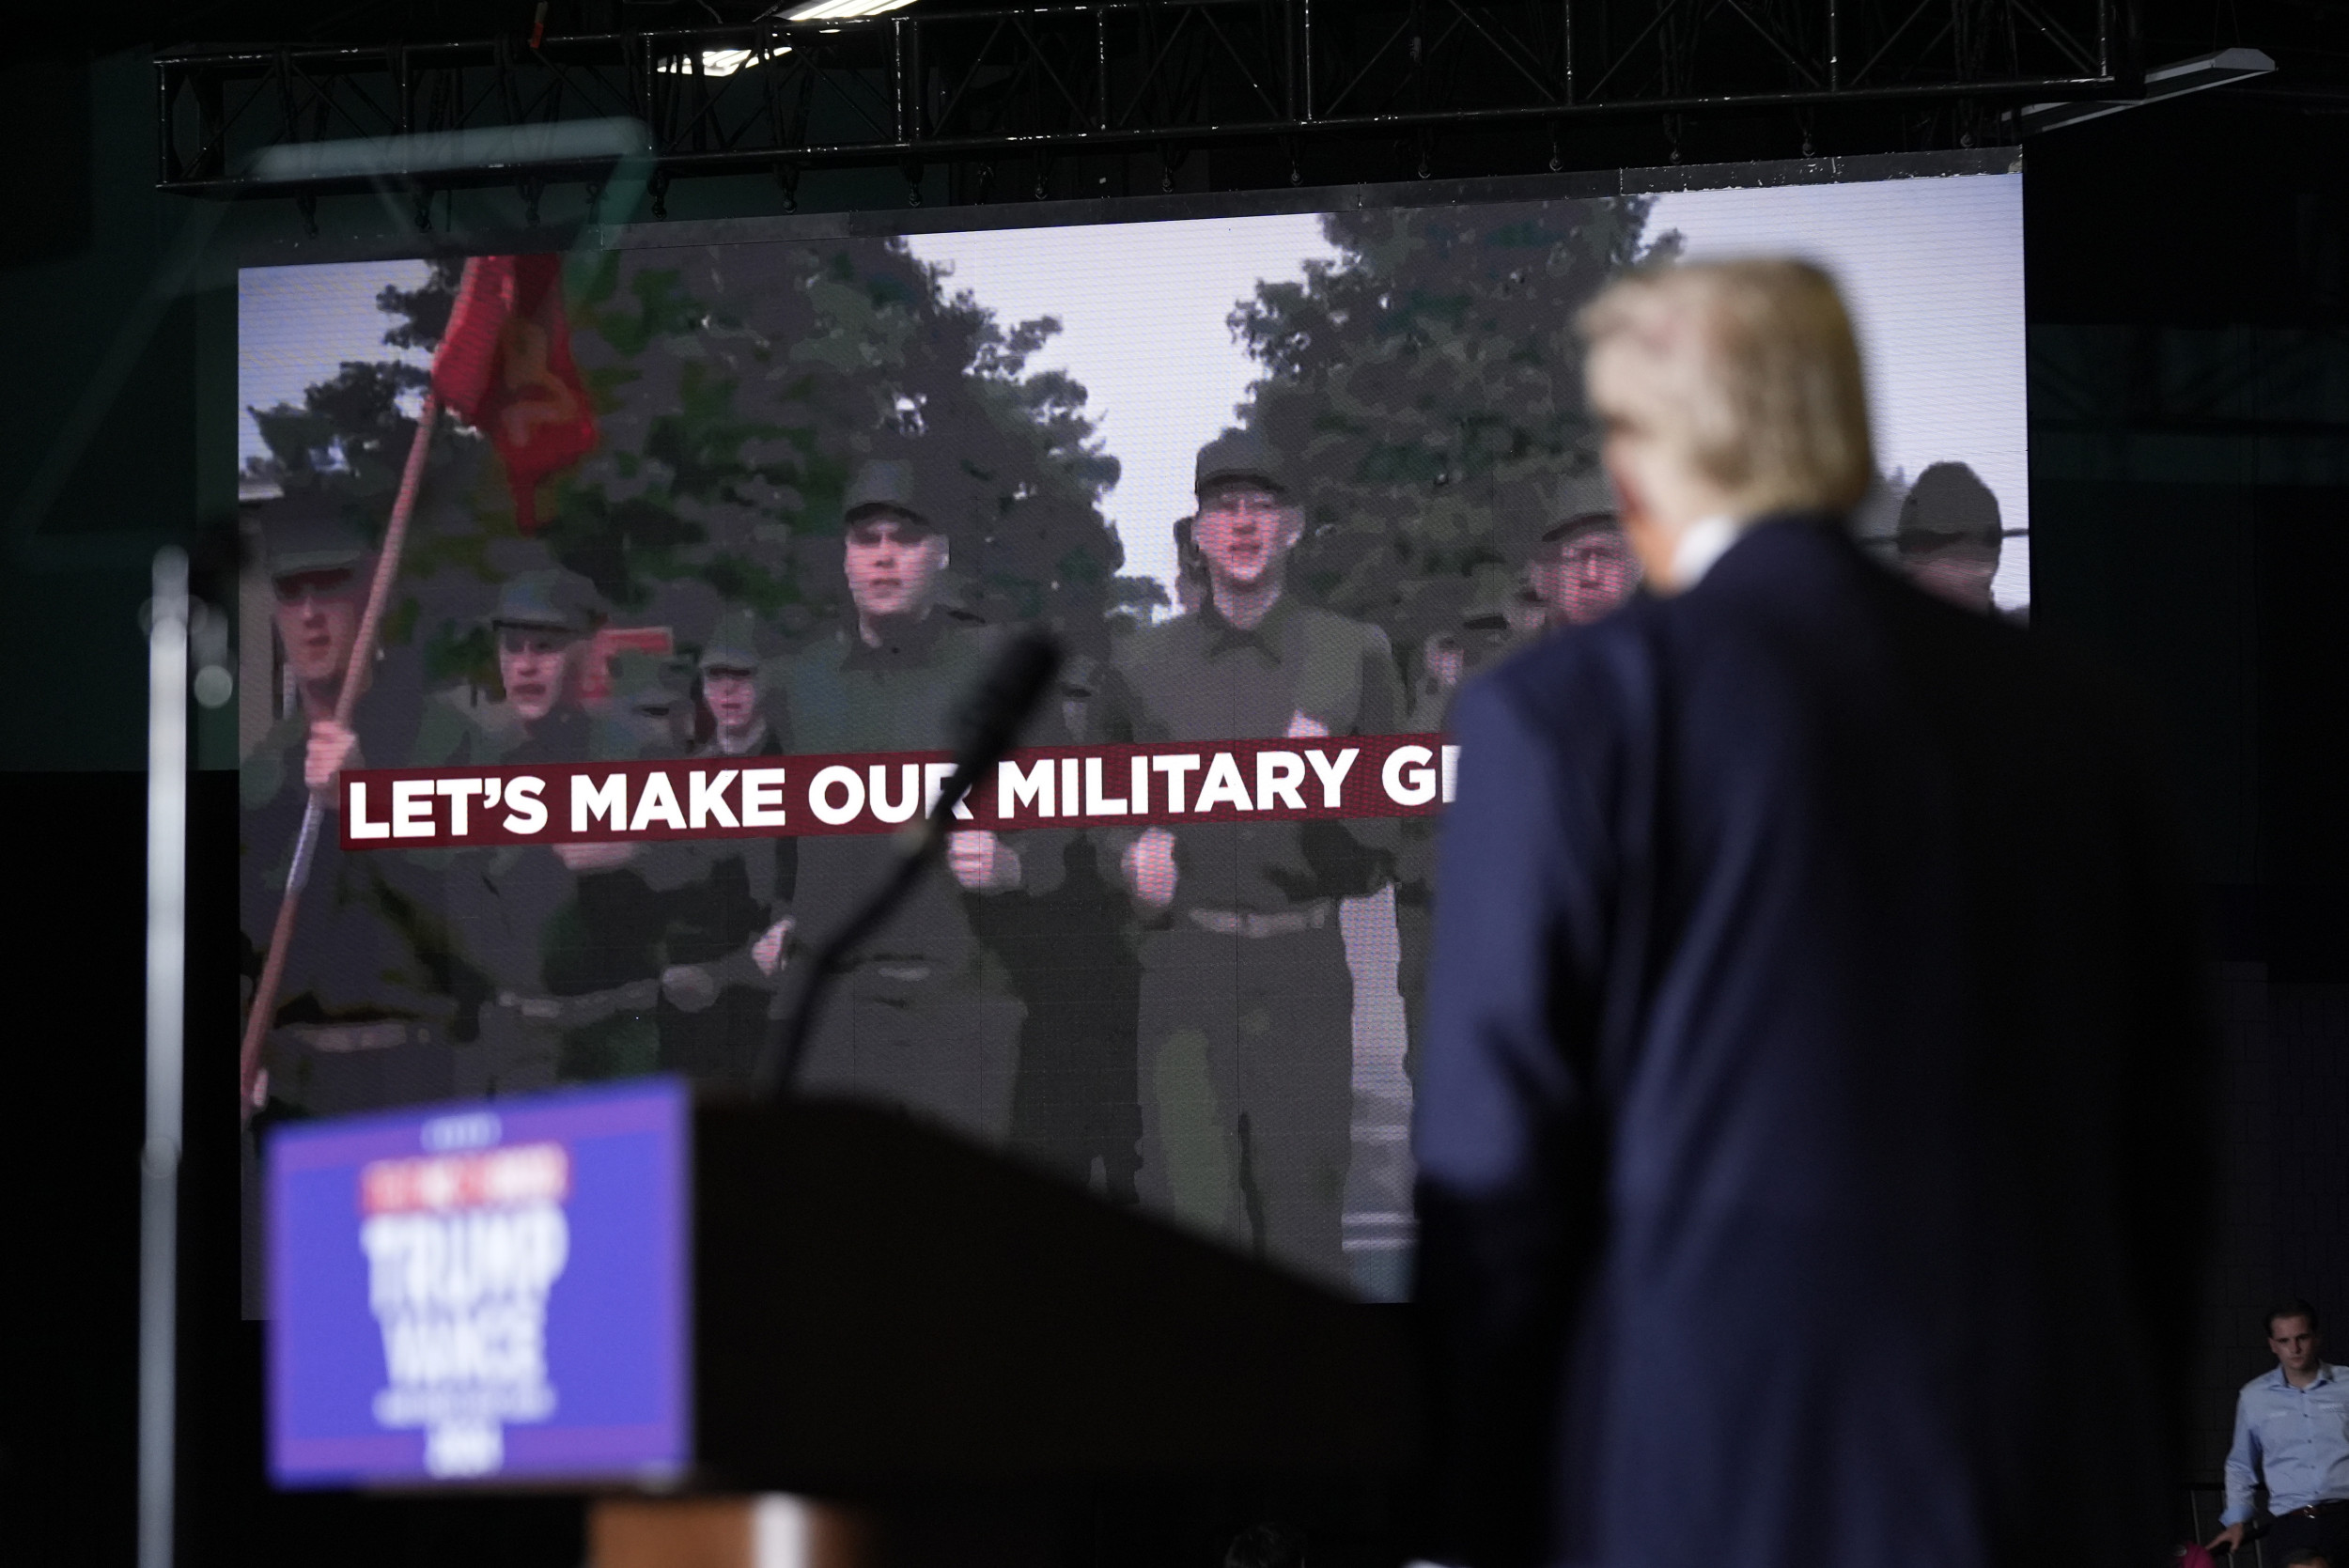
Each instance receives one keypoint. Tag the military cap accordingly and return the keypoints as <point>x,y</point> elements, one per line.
<point>733,643</point>
<point>1240,455</point>
<point>1585,501</point>
<point>553,601</point>
<point>886,481</point>
<point>306,532</point>
<point>1949,507</point>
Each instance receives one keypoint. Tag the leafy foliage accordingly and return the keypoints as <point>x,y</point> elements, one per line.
<point>736,389</point>
<point>1426,388</point>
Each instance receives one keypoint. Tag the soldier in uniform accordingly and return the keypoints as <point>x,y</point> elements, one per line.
<point>727,922</point>
<point>922,1015</point>
<point>540,627</point>
<point>1072,962</point>
<point>1247,1004</point>
<point>602,947</point>
<point>1584,566</point>
<point>364,1012</point>
<point>507,899</point>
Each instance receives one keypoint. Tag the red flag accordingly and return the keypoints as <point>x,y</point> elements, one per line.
<point>505,365</point>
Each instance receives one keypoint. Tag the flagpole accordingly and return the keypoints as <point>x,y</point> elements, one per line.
<point>346,704</point>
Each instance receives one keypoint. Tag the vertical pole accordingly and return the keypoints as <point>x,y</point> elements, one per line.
<point>1834,48</point>
<point>167,958</point>
<point>897,72</point>
<point>166,157</point>
<point>1305,54</point>
<point>1289,99</point>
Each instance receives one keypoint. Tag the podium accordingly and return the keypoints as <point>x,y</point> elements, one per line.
<point>635,1289</point>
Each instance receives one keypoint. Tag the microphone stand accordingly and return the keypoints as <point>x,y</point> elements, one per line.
<point>779,1064</point>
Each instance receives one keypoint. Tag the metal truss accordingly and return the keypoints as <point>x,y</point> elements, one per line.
<point>1129,77</point>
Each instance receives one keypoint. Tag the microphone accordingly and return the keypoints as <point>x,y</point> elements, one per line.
<point>989,719</point>
<point>985,726</point>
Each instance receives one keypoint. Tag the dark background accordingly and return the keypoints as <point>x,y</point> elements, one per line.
<point>2188,277</point>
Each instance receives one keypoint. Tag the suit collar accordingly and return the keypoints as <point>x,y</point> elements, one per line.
<point>1701,543</point>
<point>1761,545</point>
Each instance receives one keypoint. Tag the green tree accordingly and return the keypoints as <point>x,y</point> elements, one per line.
<point>736,390</point>
<point>1426,386</point>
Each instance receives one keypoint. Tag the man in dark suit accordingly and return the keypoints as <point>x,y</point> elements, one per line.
<point>1807,1124</point>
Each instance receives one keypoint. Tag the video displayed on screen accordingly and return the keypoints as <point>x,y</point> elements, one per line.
<point>691,513</point>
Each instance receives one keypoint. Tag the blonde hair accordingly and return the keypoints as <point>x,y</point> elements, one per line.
<point>1749,369</point>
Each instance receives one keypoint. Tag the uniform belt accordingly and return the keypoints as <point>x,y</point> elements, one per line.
<point>1256,922</point>
<point>343,1039</point>
<point>2318,1510</point>
<point>577,1012</point>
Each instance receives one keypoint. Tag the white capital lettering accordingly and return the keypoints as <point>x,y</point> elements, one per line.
<point>659,800</point>
<point>356,813</point>
<point>708,798</point>
<point>590,800</point>
<point>1333,774</point>
<point>1033,788</point>
<point>1098,802</point>
<point>1278,774</point>
<point>460,793</point>
<point>762,797</point>
<point>1408,780</point>
<point>934,777</point>
<point>411,808</point>
<point>901,809</point>
<point>1176,769</point>
<point>1223,785</point>
<point>524,812</point>
<point>852,801</point>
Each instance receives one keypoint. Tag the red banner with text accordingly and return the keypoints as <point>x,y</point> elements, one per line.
<point>771,796</point>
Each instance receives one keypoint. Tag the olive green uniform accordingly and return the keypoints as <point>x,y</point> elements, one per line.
<point>553,992</point>
<point>922,1015</point>
<point>1247,1008</point>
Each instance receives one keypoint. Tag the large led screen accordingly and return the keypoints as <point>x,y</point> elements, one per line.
<point>749,509</point>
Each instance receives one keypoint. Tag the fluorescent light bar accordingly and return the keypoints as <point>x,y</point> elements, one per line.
<point>2198,74</point>
<point>845,10</point>
<point>724,62</point>
<point>484,148</point>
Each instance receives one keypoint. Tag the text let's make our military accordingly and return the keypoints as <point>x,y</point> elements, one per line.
<point>447,808</point>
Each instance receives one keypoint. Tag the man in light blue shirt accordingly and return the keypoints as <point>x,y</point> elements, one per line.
<point>2292,1436</point>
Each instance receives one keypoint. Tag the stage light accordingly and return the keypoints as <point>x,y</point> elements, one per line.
<point>725,62</point>
<point>2198,74</point>
<point>489,147</point>
<point>846,10</point>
